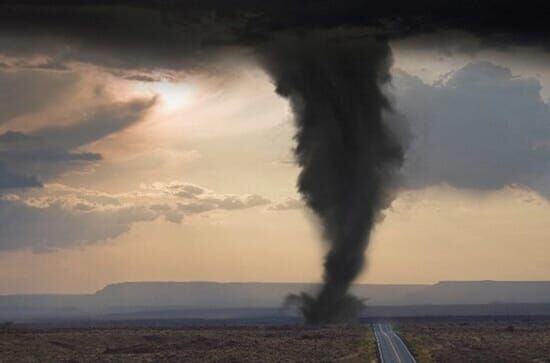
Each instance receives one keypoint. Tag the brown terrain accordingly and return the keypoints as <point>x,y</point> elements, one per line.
<point>207,344</point>
<point>478,340</point>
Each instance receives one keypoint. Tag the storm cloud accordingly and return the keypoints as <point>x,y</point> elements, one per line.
<point>184,35</point>
<point>482,128</point>
<point>28,91</point>
<point>48,151</point>
<point>9,179</point>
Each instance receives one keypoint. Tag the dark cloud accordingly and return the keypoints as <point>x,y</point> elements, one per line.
<point>27,91</point>
<point>52,65</point>
<point>153,35</point>
<point>141,78</point>
<point>115,36</point>
<point>482,128</point>
<point>10,180</point>
<point>49,151</point>
<point>39,64</point>
<point>95,125</point>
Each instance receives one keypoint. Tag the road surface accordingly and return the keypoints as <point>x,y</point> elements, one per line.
<point>390,346</point>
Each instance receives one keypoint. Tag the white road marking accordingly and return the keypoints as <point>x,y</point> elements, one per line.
<point>392,346</point>
<point>377,335</point>
<point>406,349</point>
<point>385,335</point>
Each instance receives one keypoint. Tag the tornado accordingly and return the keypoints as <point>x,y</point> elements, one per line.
<point>348,153</point>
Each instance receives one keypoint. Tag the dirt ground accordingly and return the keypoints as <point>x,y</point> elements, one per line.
<point>478,340</point>
<point>231,344</point>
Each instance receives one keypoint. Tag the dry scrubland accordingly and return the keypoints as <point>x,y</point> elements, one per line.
<point>253,344</point>
<point>479,340</point>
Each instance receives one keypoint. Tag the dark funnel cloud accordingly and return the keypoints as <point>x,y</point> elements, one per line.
<point>347,153</point>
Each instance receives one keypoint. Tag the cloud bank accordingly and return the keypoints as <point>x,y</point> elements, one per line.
<point>60,216</point>
<point>479,128</point>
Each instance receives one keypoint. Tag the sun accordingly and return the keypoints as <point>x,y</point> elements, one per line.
<point>172,96</point>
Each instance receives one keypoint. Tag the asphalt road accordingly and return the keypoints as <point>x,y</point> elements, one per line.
<point>391,346</point>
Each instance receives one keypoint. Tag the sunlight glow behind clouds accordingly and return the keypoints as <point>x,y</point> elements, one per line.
<point>174,96</point>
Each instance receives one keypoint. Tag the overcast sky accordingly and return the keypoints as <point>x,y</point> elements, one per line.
<point>115,173</point>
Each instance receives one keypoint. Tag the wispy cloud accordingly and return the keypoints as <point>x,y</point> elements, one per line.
<point>59,216</point>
